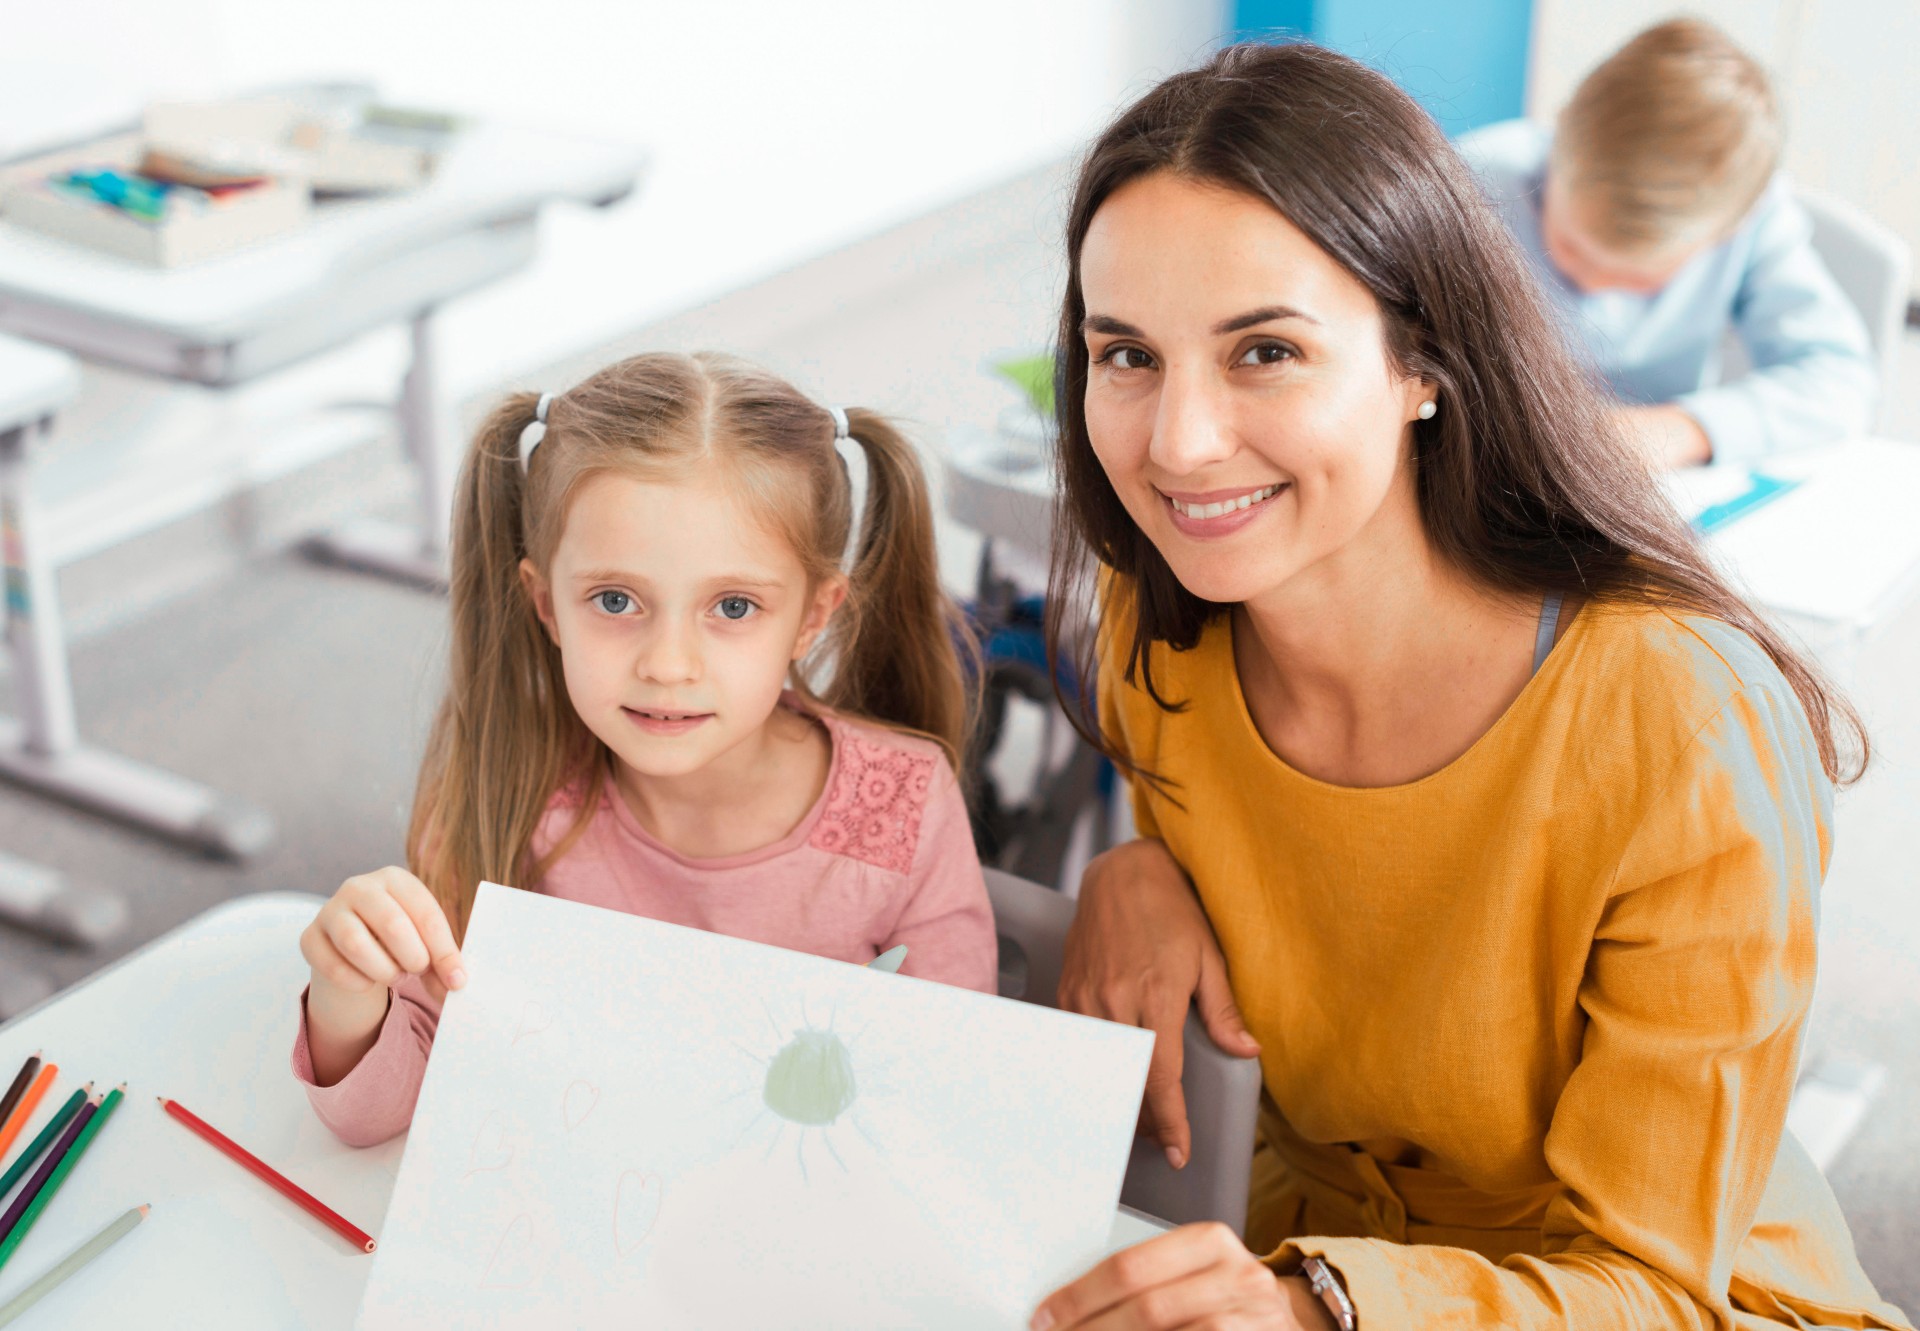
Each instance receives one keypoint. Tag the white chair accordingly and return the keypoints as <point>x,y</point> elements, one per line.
<point>1875,268</point>
<point>1223,1092</point>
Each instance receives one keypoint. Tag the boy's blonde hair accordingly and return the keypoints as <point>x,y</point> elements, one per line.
<point>507,738</point>
<point>1673,137</point>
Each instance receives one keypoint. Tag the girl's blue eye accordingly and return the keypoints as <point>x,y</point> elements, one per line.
<point>735,607</point>
<point>613,603</point>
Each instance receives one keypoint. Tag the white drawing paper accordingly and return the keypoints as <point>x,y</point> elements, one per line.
<point>630,1123</point>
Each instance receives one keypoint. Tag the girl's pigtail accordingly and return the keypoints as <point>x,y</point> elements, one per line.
<point>495,754</point>
<point>898,658</point>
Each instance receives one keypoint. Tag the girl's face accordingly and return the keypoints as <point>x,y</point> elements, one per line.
<point>678,617</point>
<point>1239,392</point>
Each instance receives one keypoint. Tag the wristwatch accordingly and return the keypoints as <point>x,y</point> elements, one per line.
<point>1323,1282</point>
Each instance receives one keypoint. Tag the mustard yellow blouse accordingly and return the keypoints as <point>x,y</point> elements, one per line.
<point>1529,1025</point>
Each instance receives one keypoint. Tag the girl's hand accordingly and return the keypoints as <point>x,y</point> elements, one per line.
<point>1139,952</point>
<point>1197,1276</point>
<point>377,928</point>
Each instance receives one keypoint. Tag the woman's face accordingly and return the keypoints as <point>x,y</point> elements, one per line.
<point>1239,392</point>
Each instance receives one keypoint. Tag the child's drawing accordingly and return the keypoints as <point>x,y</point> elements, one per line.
<point>491,1149</point>
<point>580,1099</point>
<point>810,1082</point>
<point>636,1205</point>
<point>533,1020</point>
<point>512,1264</point>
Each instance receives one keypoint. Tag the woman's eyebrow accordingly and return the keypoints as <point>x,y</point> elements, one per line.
<point>1265,314</point>
<point>1112,327</point>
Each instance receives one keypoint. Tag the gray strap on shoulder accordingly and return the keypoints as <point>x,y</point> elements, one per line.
<point>1543,637</point>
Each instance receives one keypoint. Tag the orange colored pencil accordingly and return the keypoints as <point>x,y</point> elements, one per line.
<point>227,1146</point>
<point>24,1110</point>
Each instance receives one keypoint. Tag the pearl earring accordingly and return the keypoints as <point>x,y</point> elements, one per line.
<point>1427,409</point>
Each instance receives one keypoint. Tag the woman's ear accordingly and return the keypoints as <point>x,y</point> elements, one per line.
<point>540,593</point>
<point>828,597</point>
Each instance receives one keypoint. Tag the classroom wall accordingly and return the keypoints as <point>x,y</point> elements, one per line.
<point>1845,71</point>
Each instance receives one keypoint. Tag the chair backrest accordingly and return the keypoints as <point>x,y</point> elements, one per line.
<point>1223,1092</point>
<point>1875,268</point>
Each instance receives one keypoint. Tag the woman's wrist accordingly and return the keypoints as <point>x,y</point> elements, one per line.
<point>1305,1307</point>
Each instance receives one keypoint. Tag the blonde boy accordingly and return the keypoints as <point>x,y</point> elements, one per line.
<point>1657,218</point>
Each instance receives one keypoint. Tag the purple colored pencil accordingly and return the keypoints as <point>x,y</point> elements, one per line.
<point>25,1197</point>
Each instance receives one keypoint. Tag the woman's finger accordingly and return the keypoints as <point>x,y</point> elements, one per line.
<point>1218,1011</point>
<point>1166,1099</point>
<point>1173,1256</point>
<point>431,921</point>
<point>349,934</point>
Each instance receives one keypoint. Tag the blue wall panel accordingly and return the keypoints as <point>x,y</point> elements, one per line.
<point>1465,61</point>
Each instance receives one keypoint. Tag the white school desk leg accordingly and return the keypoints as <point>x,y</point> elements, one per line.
<point>41,748</point>
<point>416,553</point>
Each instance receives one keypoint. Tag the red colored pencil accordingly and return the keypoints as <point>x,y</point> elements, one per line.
<point>359,1238</point>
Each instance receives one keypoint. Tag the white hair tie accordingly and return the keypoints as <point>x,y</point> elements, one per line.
<point>535,431</point>
<point>853,461</point>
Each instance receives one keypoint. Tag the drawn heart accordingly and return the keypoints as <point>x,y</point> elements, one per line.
<point>511,1266</point>
<point>579,1101</point>
<point>491,1149</point>
<point>636,1205</point>
<point>533,1020</point>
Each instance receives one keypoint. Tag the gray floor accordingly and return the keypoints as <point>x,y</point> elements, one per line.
<point>308,690</point>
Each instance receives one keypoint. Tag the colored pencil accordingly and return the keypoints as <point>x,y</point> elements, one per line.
<point>72,1262</point>
<point>28,1103</point>
<point>59,1120</point>
<point>19,1087</point>
<point>359,1238</point>
<point>10,1220</point>
<point>88,1131</point>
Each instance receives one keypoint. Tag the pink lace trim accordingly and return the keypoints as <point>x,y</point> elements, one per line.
<point>873,811</point>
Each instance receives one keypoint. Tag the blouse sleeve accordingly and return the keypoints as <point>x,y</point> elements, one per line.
<point>1694,992</point>
<point>375,1100</point>
<point>947,921</point>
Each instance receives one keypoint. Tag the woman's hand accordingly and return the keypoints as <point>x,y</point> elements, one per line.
<point>1139,952</point>
<point>1197,1276</point>
<point>377,928</point>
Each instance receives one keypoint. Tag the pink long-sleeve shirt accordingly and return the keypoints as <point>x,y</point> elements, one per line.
<point>884,857</point>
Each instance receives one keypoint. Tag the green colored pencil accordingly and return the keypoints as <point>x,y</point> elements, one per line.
<point>72,1262</point>
<point>74,1152</point>
<point>44,1140</point>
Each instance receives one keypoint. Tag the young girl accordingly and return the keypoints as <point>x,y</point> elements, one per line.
<point>640,566</point>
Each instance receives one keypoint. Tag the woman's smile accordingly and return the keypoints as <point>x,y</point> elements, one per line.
<point>1218,512</point>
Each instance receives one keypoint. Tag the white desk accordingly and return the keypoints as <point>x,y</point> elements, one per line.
<point>1836,555</point>
<point>360,265</point>
<point>205,1015</point>
<point>35,383</point>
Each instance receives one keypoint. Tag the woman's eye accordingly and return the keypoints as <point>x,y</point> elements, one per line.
<point>735,607</point>
<point>1267,353</point>
<point>1127,358</point>
<point>614,603</point>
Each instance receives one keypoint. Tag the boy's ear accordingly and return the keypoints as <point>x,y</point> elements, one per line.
<point>828,597</point>
<point>540,593</point>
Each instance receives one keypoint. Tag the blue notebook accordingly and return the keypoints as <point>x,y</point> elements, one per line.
<point>1763,490</point>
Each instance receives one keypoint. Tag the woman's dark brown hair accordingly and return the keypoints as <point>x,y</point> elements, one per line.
<point>1522,479</point>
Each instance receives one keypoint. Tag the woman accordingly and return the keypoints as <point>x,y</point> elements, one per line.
<point>1503,814</point>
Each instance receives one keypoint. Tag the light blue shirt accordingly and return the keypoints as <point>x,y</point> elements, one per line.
<point>1812,379</point>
